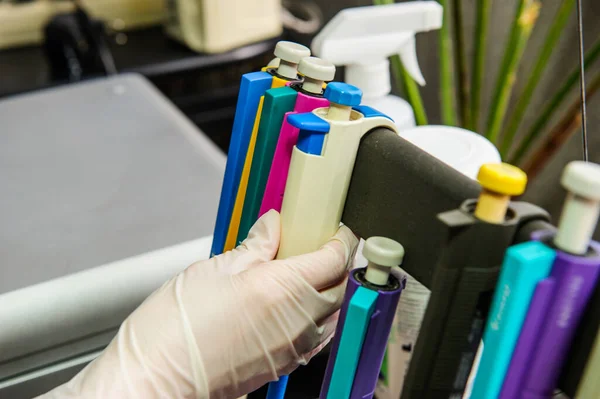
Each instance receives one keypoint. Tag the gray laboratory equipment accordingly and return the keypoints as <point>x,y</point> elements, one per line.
<point>107,191</point>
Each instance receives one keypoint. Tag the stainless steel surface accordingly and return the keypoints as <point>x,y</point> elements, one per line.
<point>96,172</point>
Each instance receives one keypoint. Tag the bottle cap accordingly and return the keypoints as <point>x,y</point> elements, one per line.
<point>383,251</point>
<point>502,178</point>
<point>343,94</point>
<point>316,68</point>
<point>583,179</point>
<point>291,52</point>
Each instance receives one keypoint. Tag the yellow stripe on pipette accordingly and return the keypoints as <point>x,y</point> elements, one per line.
<point>236,215</point>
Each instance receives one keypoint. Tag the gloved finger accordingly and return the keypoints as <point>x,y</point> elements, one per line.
<point>327,331</point>
<point>274,284</point>
<point>260,246</point>
<point>331,300</point>
<point>317,305</point>
<point>264,235</point>
<point>321,336</point>
<point>327,266</point>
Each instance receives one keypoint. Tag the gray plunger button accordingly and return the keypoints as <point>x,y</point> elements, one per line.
<point>316,72</point>
<point>290,54</point>
<point>383,254</point>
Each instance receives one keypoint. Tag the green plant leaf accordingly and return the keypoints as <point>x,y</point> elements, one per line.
<point>554,33</point>
<point>461,63</point>
<point>591,56</point>
<point>447,90</point>
<point>562,131</point>
<point>482,21</point>
<point>525,18</point>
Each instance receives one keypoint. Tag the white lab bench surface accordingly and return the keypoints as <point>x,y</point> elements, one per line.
<point>107,191</point>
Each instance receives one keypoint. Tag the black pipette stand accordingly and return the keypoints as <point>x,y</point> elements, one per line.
<point>397,190</point>
<point>461,293</point>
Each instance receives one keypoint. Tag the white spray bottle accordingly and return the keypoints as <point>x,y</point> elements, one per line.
<point>363,38</point>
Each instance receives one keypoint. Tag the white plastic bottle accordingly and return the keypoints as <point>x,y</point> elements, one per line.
<point>363,38</point>
<point>459,148</point>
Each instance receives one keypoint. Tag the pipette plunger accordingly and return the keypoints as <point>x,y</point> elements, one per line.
<point>290,54</point>
<point>383,254</point>
<point>580,212</point>
<point>499,182</point>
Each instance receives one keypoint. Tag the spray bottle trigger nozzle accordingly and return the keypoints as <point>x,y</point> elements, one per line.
<point>408,56</point>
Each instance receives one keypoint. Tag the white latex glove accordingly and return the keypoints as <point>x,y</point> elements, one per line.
<point>224,326</point>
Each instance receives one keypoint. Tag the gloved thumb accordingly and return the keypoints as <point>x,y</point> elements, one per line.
<point>260,246</point>
<point>327,266</point>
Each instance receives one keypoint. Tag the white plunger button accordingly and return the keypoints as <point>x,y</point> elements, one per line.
<point>316,68</point>
<point>291,52</point>
<point>383,254</point>
<point>274,63</point>
<point>581,208</point>
<point>583,179</point>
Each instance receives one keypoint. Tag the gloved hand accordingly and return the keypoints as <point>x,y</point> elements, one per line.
<point>224,326</point>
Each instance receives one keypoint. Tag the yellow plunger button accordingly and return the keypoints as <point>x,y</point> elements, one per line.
<point>499,181</point>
